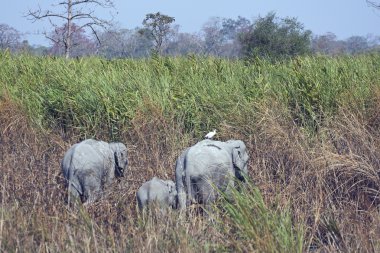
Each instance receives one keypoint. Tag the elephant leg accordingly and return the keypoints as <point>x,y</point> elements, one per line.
<point>73,194</point>
<point>193,195</point>
<point>228,191</point>
<point>207,192</point>
<point>206,196</point>
<point>181,199</point>
<point>74,190</point>
<point>91,188</point>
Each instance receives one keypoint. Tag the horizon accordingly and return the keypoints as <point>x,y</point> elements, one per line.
<point>354,18</point>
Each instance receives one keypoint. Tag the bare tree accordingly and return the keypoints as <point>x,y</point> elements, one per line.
<point>213,36</point>
<point>185,43</point>
<point>9,37</point>
<point>327,43</point>
<point>122,43</point>
<point>81,44</point>
<point>82,12</point>
<point>356,44</point>
<point>373,4</point>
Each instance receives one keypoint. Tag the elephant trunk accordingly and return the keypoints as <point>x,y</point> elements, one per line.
<point>239,175</point>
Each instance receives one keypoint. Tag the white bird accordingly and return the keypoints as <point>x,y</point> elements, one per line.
<point>210,134</point>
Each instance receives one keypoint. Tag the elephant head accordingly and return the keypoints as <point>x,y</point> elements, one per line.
<point>239,158</point>
<point>121,158</point>
<point>172,193</point>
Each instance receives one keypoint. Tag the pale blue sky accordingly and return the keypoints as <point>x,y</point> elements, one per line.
<point>345,18</point>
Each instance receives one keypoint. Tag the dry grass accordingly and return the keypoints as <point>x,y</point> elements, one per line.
<point>329,181</point>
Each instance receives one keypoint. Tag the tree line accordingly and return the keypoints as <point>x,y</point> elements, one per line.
<point>269,36</point>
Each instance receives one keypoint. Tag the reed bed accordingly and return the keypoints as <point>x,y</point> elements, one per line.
<point>311,125</point>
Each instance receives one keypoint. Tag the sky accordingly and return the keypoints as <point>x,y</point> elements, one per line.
<point>344,18</point>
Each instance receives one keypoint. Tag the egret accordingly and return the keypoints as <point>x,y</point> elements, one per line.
<point>210,134</point>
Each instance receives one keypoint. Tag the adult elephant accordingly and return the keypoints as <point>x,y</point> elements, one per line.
<point>208,167</point>
<point>91,165</point>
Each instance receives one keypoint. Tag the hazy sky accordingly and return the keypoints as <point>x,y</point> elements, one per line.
<point>345,18</point>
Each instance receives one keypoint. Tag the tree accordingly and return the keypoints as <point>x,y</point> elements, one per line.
<point>356,44</point>
<point>39,50</point>
<point>275,38</point>
<point>373,41</point>
<point>373,4</point>
<point>231,28</point>
<point>158,27</point>
<point>327,44</point>
<point>124,43</point>
<point>221,36</point>
<point>81,44</point>
<point>9,37</point>
<point>184,44</point>
<point>213,36</point>
<point>81,12</point>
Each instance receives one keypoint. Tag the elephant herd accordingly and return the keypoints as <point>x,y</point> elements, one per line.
<point>201,172</point>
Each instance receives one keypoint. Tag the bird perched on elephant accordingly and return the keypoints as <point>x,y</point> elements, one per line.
<point>208,167</point>
<point>163,192</point>
<point>91,165</point>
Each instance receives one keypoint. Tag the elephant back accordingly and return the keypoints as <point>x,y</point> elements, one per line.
<point>66,161</point>
<point>91,156</point>
<point>102,148</point>
<point>204,159</point>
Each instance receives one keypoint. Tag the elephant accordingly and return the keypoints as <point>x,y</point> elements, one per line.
<point>91,165</point>
<point>157,190</point>
<point>208,167</point>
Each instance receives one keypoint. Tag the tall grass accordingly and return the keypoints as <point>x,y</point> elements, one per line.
<point>257,227</point>
<point>311,126</point>
<point>94,93</point>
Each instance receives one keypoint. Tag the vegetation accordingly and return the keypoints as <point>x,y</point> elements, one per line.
<point>311,125</point>
<point>268,36</point>
<point>273,37</point>
<point>158,27</point>
<point>80,12</point>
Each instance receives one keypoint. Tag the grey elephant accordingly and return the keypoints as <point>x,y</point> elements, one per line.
<point>157,190</point>
<point>207,168</point>
<point>91,165</point>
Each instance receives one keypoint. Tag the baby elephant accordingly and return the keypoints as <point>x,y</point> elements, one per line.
<point>157,190</point>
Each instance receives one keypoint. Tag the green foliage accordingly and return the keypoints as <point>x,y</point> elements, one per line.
<point>92,94</point>
<point>274,38</point>
<point>157,26</point>
<point>316,195</point>
<point>316,86</point>
<point>258,227</point>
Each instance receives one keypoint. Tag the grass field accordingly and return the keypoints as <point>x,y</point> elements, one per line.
<point>311,125</point>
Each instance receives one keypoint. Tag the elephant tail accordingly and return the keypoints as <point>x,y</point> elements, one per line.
<point>189,194</point>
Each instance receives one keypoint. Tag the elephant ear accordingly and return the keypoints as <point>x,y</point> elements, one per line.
<point>120,155</point>
<point>238,163</point>
<point>236,157</point>
<point>118,170</point>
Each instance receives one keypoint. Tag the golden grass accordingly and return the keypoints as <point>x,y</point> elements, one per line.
<point>324,178</point>
<point>330,183</point>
